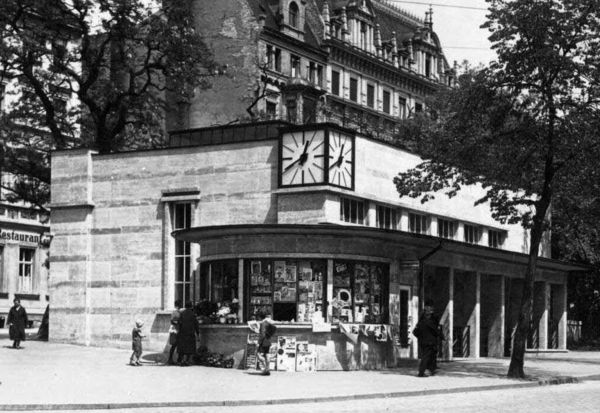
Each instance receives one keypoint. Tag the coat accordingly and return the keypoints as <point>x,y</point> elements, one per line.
<point>188,328</point>
<point>18,318</point>
<point>427,332</point>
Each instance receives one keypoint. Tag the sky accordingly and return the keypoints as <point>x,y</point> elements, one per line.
<point>457,24</point>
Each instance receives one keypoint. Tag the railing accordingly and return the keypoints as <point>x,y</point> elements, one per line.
<point>461,347</point>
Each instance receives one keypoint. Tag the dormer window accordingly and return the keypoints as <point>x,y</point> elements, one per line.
<point>293,15</point>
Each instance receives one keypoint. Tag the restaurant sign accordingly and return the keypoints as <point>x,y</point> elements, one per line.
<point>15,236</point>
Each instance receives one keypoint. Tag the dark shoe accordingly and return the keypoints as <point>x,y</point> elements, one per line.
<point>265,373</point>
<point>420,375</point>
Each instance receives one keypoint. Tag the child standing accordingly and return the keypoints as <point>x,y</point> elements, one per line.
<point>136,343</point>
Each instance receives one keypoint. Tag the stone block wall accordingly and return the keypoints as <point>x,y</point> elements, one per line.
<point>107,218</point>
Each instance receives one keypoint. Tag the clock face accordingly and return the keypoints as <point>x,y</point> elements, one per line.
<point>341,159</point>
<point>303,158</point>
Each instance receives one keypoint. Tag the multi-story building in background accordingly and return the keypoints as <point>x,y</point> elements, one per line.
<point>361,64</point>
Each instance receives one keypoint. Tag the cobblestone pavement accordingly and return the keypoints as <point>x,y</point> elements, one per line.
<point>54,374</point>
<point>581,398</point>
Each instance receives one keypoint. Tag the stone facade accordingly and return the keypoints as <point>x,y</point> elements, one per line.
<point>114,258</point>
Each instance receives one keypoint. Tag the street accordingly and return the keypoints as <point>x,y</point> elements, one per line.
<point>582,397</point>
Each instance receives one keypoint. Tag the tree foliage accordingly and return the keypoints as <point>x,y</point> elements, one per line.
<point>525,127</point>
<point>92,73</point>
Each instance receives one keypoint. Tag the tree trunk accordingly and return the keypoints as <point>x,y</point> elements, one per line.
<point>517,359</point>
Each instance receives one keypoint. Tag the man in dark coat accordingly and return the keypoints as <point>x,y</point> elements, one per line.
<point>186,339</point>
<point>17,320</point>
<point>428,334</point>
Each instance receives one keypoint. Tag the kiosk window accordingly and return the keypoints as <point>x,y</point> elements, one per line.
<point>290,290</point>
<point>359,292</point>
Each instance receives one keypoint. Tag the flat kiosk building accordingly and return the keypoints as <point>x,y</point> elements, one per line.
<point>296,215</point>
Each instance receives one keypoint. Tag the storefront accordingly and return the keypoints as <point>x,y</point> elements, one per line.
<point>23,262</point>
<point>354,293</point>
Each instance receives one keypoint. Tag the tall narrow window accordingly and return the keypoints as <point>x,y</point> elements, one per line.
<point>293,13</point>
<point>319,79</point>
<point>428,65</point>
<point>386,101</point>
<point>25,283</point>
<point>418,107</point>
<point>278,60</point>
<point>354,89</point>
<point>370,96</point>
<point>294,66</point>
<point>472,234</point>
<point>402,107</point>
<point>182,216</point>
<point>335,82</point>
<point>418,223</point>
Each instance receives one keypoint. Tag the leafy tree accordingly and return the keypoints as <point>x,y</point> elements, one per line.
<point>525,128</point>
<point>118,59</point>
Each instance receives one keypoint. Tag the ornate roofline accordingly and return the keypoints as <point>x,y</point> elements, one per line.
<point>399,13</point>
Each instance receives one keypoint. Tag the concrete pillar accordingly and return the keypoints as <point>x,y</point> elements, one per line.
<point>240,292</point>
<point>329,296</point>
<point>372,214</point>
<point>544,300</point>
<point>476,338</point>
<point>561,312</point>
<point>450,319</point>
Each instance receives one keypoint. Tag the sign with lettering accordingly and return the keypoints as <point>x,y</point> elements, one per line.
<point>17,236</point>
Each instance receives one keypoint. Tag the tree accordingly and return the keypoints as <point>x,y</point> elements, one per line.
<point>119,59</point>
<point>524,128</point>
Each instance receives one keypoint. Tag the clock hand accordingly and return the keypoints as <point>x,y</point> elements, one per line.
<point>304,155</point>
<point>292,164</point>
<point>340,159</point>
<point>301,158</point>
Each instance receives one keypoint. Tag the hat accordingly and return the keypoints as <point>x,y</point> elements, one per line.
<point>139,323</point>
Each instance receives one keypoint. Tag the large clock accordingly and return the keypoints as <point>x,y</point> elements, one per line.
<point>341,159</point>
<point>303,159</point>
<point>317,157</point>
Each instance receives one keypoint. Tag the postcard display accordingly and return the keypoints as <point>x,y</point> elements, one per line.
<point>365,282</point>
<point>289,290</point>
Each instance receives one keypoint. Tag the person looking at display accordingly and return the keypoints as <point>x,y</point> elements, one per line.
<point>266,331</point>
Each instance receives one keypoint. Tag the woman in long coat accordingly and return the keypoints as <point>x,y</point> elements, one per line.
<point>17,320</point>
<point>186,339</point>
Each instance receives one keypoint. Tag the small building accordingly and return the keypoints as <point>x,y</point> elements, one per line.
<point>303,221</point>
<point>24,246</point>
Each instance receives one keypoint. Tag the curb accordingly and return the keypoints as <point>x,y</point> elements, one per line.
<point>548,381</point>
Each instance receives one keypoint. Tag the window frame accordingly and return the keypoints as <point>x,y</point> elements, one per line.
<point>371,95</point>
<point>418,223</point>
<point>295,66</point>
<point>390,217</point>
<point>353,90</point>
<point>293,15</point>
<point>496,238</point>
<point>445,226</point>
<point>471,234</point>
<point>360,205</point>
<point>387,108</point>
<point>335,82</point>
<point>25,281</point>
<point>182,261</point>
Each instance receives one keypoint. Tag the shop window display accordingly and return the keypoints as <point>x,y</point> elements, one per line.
<point>218,292</point>
<point>291,290</point>
<point>358,292</point>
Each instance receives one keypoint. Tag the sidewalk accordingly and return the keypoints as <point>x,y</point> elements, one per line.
<point>56,376</point>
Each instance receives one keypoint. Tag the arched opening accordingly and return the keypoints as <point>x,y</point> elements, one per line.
<point>293,14</point>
